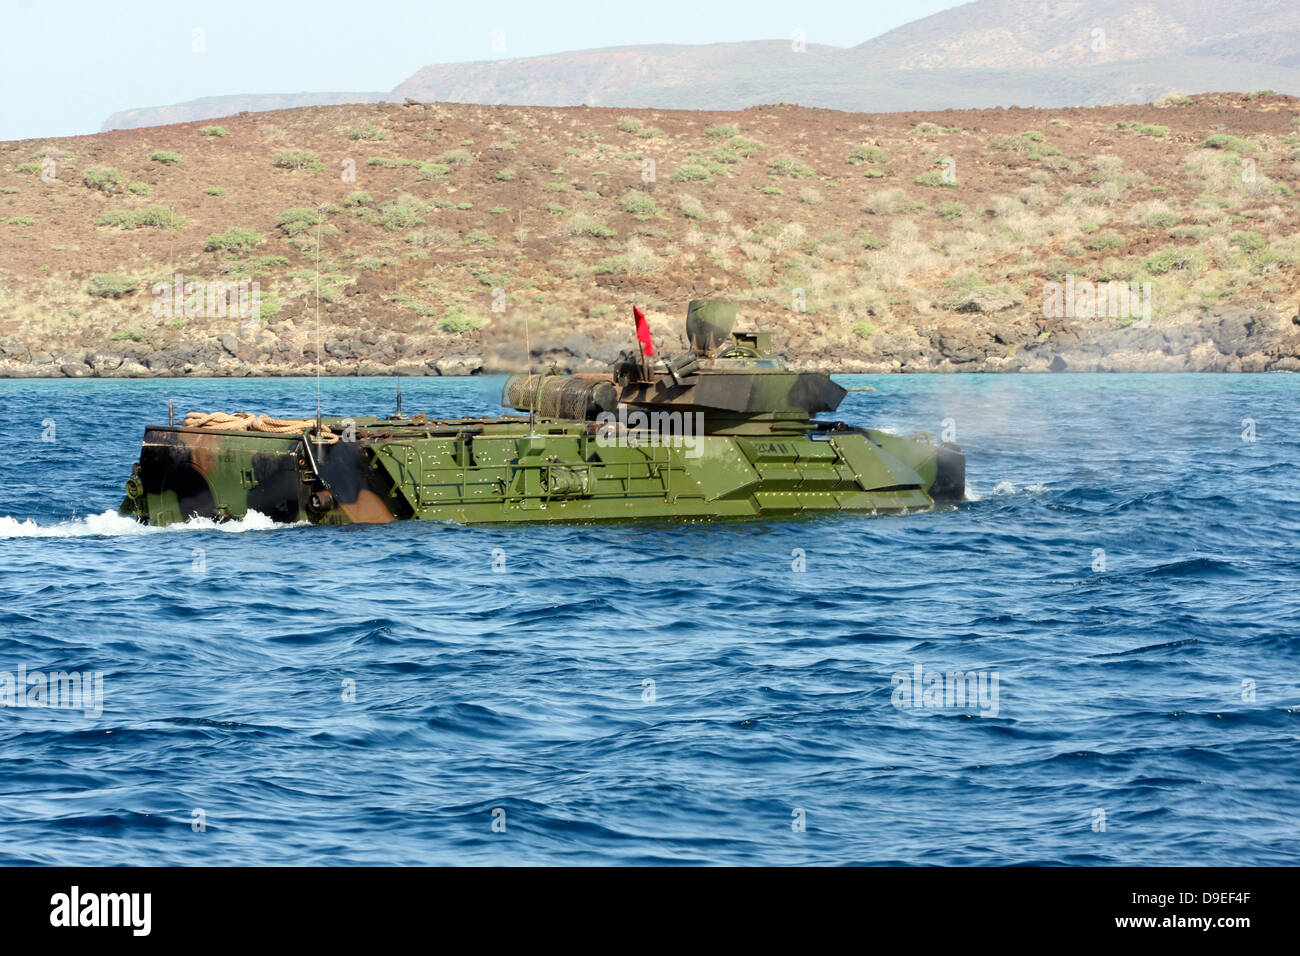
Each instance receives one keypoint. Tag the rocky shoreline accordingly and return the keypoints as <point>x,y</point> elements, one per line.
<point>1240,340</point>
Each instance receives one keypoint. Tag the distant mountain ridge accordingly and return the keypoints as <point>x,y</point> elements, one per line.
<point>211,107</point>
<point>982,54</point>
<point>1008,34</point>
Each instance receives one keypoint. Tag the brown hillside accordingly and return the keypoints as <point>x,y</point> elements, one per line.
<point>849,214</point>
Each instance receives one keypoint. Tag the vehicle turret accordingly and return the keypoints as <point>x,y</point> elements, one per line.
<point>733,377</point>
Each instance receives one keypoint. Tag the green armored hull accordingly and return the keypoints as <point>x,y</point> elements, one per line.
<point>724,431</point>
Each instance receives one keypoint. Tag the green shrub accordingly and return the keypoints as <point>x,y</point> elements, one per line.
<point>151,216</point>
<point>100,177</point>
<point>1248,242</point>
<point>367,131</point>
<point>1210,199</point>
<point>216,191</point>
<point>692,208</point>
<point>358,197</point>
<point>456,157</point>
<point>232,240</point>
<point>268,306</point>
<point>253,265</point>
<point>403,212</point>
<point>948,209</point>
<point>635,260</point>
<point>692,172</point>
<point>773,191</point>
<point>1151,129</point>
<point>166,157</point>
<point>889,202</point>
<point>629,124</point>
<point>457,324</point>
<point>1161,220</point>
<point>1105,241</point>
<point>586,224</point>
<point>1233,144</point>
<point>864,330</point>
<point>1015,144</point>
<point>721,131</point>
<point>936,177</point>
<point>138,189</point>
<point>454,321</point>
<point>28,168</point>
<point>214,131</point>
<point>506,175</point>
<point>296,220</point>
<point>1180,258</point>
<point>724,155</point>
<point>867,153</point>
<point>108,286</point>
<point>707,162</point>
<point>868,240</point>
<point>785,165</point>
<point>298,159</point>
<point>20,221</point>
<point>745,146</point>
<point>433,170</point>
<point>640,205</point>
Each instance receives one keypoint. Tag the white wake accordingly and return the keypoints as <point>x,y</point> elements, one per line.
<point>110,524</point>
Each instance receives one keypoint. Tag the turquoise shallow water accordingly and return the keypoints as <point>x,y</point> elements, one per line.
<point>1147,703</point>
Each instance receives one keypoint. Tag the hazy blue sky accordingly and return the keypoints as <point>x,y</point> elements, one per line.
<point>65,66</point>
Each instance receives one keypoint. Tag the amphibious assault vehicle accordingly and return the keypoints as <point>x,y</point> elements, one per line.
<point>723,430</point>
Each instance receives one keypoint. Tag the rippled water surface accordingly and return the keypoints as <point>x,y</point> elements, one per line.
<point>1126,578</point>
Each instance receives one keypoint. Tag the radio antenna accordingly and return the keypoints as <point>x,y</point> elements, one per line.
<point>319,216</point>
<point>171,255</point>
<point>528,367</point>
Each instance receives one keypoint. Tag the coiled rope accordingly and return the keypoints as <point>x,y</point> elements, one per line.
<point>248,422</point>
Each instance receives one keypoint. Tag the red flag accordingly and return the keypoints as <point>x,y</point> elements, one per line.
<point>643,333</point>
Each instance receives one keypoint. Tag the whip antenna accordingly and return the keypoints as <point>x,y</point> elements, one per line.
<point>171,254</point>
<point>319,215</point>
<point>528,367</point>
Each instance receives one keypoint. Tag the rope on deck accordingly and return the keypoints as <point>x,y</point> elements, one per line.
<point>247,421</point>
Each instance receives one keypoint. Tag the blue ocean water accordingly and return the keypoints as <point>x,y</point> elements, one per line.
<point>1124,583</point>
